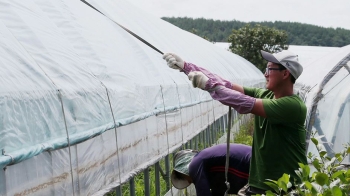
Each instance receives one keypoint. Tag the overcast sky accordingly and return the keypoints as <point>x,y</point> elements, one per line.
<point>325,13</point>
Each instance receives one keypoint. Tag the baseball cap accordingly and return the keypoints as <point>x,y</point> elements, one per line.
<point>182,160</point>
<point>286,58</point>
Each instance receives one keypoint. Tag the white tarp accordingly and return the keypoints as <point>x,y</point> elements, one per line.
<point>324,85</point>
<point>85,105</point>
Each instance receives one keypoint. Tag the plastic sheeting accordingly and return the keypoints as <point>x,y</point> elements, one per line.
<point>324,86</point>
<point>85,105</point>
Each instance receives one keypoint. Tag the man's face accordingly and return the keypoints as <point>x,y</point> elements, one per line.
<point>273,75</point>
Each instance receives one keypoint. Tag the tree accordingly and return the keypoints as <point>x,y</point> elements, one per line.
<point>194,31</point>
<point>248,41</point>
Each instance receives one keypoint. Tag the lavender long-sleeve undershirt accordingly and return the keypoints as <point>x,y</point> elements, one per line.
<point>221,90</point>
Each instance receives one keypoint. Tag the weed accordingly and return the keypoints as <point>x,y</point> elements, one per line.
<point>329,178</point>
<point>245,133</point>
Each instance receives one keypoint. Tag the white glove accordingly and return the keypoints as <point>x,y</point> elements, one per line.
<point>198,79</point>
<point>174,61</point>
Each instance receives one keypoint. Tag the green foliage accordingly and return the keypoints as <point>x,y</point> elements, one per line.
<point>311,35</point>
<point>329,177</point>
<point>248,41</point>
<point>298,33</point>
<point>139,183</point>
<point>245,133</point>
<point>214,30</point>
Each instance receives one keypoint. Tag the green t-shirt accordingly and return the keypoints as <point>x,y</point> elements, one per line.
<point>278,140</point>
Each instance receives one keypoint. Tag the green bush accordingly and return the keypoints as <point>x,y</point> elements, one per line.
<point>329,178</point>
<point>245,133</point>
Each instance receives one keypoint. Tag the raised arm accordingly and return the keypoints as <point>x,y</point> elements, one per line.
<point>175,62</point>
<point>220,89</point>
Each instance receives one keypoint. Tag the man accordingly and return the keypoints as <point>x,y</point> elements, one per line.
<point>279,132</point>
<point>206,169</point>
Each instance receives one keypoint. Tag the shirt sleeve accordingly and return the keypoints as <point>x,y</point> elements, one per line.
<point>283,110</point>
<point>254,92</point>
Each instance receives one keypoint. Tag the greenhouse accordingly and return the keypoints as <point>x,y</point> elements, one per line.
<point>324,86</point>
<point>86,105</point>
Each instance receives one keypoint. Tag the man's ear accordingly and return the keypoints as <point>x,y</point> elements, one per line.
<point>286,73</point>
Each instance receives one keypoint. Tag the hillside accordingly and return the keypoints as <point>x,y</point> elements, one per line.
<point>298,33</point>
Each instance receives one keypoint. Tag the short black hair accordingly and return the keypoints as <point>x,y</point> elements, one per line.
<point>292,79</point>
<point>281,67</point>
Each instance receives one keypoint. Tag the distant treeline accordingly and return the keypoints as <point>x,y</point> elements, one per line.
<point>298,33</point>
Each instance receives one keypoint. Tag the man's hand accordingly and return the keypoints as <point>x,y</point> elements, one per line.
<point>174,61</point>
<point>198,79</point>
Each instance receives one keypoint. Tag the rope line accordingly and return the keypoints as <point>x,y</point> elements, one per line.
<point>132,33</point>
<point>228,150</point>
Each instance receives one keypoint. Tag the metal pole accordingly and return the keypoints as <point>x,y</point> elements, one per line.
<point>213,133</point>
<point>222,126</point>
<point>225,122</point>
<point>132,187</point>
<point>157,178</point>
<point>146,182</point>
<point>208,137</point>
<point>228,151</point>
<point>118,191</point>
<point>167,172</point>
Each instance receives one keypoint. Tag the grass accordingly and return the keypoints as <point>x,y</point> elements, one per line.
<point>245,133</point>
<point>139,182</point>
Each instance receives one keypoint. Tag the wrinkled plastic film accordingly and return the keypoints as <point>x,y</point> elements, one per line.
<point>82,101</point>
<point>324,88</point>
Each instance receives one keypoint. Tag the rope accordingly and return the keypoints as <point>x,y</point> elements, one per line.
<point>228,151</point>
<point>133,34</point>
